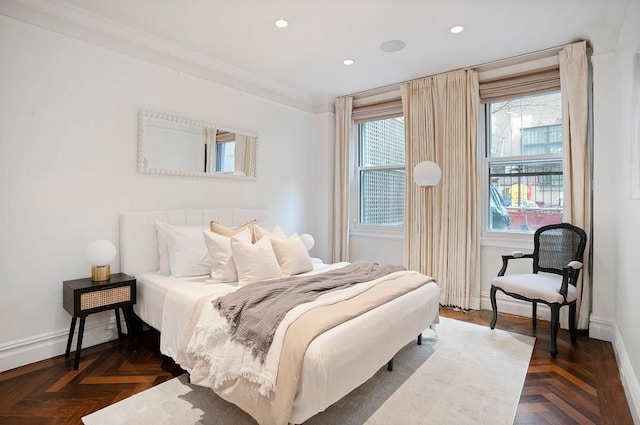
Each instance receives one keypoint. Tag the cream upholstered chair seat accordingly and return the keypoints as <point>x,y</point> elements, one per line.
<point>557,261</point>
<point>541,287</point>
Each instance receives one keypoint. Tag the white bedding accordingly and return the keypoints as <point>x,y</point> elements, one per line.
<point>166,303</point>
<point>336,362</point>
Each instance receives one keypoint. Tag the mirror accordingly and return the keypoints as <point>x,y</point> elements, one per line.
<point>172,145</point>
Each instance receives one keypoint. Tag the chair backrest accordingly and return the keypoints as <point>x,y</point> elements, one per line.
<point>556,245</point>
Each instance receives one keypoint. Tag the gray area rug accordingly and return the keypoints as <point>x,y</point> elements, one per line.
<point>463,374</point>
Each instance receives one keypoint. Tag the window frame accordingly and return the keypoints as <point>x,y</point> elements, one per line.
<point>484,181</point>
<point>362,229</point>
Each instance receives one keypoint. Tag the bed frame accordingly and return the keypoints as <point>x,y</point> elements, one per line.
<point>138,254</point>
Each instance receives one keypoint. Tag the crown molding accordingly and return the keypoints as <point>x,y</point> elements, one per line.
<point>64,18</point>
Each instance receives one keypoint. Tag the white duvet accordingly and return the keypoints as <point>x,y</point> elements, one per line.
<point>213,358</point>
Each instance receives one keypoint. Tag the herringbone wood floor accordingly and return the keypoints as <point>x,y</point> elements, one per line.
<point>581,386</point>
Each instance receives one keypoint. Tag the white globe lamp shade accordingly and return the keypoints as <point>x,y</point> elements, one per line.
<point>427,173</point>
<point>100,253</point>
<point>307,241</point>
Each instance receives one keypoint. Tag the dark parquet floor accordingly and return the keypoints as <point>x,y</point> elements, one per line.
<point>581,386</point>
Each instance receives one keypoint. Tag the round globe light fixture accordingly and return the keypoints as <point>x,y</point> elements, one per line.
<point>307,240</point>
<point>100,253</point>
<point>427,173</point>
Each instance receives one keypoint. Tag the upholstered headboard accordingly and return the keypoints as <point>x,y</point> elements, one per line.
<point>138,241</point>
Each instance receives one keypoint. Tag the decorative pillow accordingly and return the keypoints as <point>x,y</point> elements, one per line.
<point>163,243</point>
<point>223,267</point>
<point>292,255</point>
<point>223,230</point>
<point>255,262</point>
<point>188,254</point>
<point>276,233</point>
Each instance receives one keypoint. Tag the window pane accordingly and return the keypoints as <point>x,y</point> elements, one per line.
<point>382,197</point>
<point>526,126</point>
<point>525,196</point>
<point>225,157</point>
<point>382,142</point>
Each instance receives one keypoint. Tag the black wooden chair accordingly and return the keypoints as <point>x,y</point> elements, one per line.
<point>558,251</point>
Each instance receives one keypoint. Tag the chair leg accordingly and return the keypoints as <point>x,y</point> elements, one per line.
<point>572,322</point>
<point>534,314</point>
<point>555,324</point>
<point>494,307</point>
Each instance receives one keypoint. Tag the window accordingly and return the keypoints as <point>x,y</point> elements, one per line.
<point>381,172</point>
<point>225,156</point>
<point>524,162</point>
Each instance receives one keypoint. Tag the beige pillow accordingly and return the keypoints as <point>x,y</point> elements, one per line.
<point>223,230</point>
<point>223,267</point>
<point>254,262</point>
<point>292,255</point>
<point>277,232</point>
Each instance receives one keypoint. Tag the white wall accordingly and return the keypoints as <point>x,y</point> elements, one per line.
<point>627,213</point>
<point>68,117</point>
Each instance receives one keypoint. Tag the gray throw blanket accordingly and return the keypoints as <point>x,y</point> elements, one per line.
<point>255,311</point>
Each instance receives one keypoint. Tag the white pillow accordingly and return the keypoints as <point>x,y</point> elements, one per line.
<point>292,255</point>
<point>260,233</point>
<point>188,254</point>
<point>223,267</point>
<point>255,262</point>
<point>163,248</point>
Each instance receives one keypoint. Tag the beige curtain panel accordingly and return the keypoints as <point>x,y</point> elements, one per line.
<point>441,223</point>
<point>210,141</point>
<point>577,160</point>
<point>342,164</point>
<point>244,160</point>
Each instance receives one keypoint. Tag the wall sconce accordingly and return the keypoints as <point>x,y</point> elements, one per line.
<point>100,253</point>
<point>427,173</point>
<point>307,241</point>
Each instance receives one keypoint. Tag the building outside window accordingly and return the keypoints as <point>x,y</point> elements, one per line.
<point>381,172</point>
<point>523,154</point>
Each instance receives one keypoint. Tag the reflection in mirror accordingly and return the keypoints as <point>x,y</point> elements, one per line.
<point>179,146</point>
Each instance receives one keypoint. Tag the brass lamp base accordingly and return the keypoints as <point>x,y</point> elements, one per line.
<point>100,273</point>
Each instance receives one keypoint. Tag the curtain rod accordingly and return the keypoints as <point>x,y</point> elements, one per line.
<point>382,89</point>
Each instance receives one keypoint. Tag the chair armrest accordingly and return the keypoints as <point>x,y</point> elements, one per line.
<point>515,255</point>
<point>574,265</point>
<point>570,274</point>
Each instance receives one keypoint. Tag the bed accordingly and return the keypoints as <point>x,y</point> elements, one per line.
<point>335,362</point>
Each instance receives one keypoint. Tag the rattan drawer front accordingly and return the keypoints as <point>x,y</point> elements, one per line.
<point>95,299</point>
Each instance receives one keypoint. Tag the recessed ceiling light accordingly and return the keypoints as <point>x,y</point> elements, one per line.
<point>348,62</point>
<point>281,23</point>
<point>456,29</point>
<point>392,46</point>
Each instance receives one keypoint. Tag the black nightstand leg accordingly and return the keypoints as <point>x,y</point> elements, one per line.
<point>118,323</point>
<point>128,321</point>
<point>79,346</point>
<point>70,339</point>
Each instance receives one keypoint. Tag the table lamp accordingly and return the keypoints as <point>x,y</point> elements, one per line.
<point>100,253</point>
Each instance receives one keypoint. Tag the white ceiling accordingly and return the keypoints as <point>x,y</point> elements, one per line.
<point>237,38</point>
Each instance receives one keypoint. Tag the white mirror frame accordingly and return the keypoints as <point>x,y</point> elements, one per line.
<point>144,114</point>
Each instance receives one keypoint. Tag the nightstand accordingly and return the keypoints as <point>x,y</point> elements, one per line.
<point>82,297</point>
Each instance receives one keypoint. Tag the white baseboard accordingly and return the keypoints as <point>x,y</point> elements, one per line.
<point>627,376</point>
<point>45,346</point>
<point>600,328</point>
